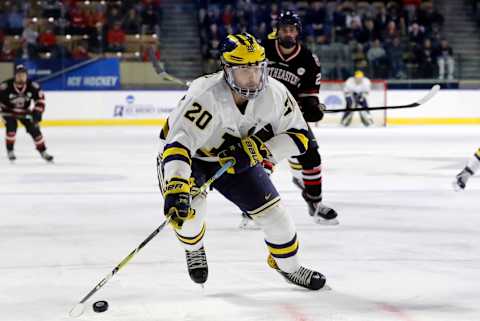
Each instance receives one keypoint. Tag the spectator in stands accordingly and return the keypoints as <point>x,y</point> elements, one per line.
<point>15,21</point>
<point>424,57</point>
<point>146,53</point>
<point>228,15</point>
<point>80,52</point>
<point>113,16</point>
<point>315,21</point>
<point>359,58</point>
<point>391,32</point>
<point>116,38</point>
<point>51,8</point>
<point>96,39</point>
<point>395,52</point>
<point>428,17</point>
<point>131,23</point>
<point>444,56</point>
<point>7,53</point>
<point>376,56</point>
<point>48,42</point>
<point>30,37</point>
<point>150,21</point>
<point>77,20</point>
<point>411,7</point>
<point>368,34</point>
<point>416,34</point>
<point>2,38</point>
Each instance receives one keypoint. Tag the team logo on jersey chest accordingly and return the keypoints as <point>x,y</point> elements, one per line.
<point>300,71</point>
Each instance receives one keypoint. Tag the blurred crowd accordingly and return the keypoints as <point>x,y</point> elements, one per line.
<point>31,29</point>
<point>385,39</point>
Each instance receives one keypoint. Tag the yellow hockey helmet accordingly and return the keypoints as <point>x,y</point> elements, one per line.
<point>238,53</point>
<point>359,74</point>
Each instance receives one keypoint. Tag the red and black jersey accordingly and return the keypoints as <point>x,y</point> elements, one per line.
<point>300,72</point>
<point>13,99</point>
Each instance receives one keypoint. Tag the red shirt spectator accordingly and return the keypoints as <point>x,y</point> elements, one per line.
<point>146,54</point>
<point>116,36</point>
<point>77,18</point>
<point>80,53</point>
<point>47,38</point>
<point>415,3</point>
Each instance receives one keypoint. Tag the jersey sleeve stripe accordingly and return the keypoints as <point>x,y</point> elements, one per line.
<point>477,154</point>
<point>165,130</point>
<point>300,139</point>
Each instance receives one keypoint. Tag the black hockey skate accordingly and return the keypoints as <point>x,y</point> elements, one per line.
<point>461,179</point>
<point>46,156</point>
<point>197,265</point>
<point>303,277</point>
<point>322,214</point>
<point>11,155</point>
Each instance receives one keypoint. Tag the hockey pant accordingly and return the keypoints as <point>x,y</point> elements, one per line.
<point>307,168</point>
<point>11,125</point>
<point>253,192</point>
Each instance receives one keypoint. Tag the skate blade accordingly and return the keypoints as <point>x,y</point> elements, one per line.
<point>321,221</point>
<point>457,188</point>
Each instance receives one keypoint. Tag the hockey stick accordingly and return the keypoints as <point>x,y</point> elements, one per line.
<point>79,308</point>
<point>433,91</point>
<point>160,70</point>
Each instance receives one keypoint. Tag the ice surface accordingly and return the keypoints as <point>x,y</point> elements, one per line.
<point>407,247</point>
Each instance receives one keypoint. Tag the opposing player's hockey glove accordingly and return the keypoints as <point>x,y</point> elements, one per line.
<point>177,201</point>
<point>37,116</point>
<point>248,153</point>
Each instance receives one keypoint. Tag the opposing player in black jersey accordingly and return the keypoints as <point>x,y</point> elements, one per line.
<point>299,70</point>
<point>16,96</point>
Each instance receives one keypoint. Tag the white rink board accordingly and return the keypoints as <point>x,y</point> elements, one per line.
<point>98,105</point>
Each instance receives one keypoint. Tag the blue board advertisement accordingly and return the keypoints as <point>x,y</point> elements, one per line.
<point>65,74</point>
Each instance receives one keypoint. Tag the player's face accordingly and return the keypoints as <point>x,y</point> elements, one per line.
<point>288,35</point>
<point>248,77</point>
<point>21,78</point>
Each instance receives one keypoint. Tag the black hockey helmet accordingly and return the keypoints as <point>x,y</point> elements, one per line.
<point>289,18</point>
<point>20,68</point>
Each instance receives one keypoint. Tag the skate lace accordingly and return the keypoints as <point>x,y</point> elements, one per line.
<point>302,276</point>
<point>196,259</point>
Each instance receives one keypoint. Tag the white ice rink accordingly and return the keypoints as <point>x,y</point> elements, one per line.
<point>407,247</point>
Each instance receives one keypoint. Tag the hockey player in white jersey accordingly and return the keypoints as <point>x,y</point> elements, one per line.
<point>468,171</point>
<point>243,115</point>
<point>356,92</point>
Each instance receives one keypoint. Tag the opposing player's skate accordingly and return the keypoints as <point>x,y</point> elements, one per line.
<point>303,277</point>
<point>321,213</point>
<point>46,156</point>
<point>11,156</point>
<point>247,223</point>
<point>197,265</point>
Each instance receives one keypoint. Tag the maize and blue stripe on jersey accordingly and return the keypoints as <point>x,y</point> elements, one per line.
<point>192,240</point>
<point>300,138</point>
<point>283,250</point>
<point>176,151</point>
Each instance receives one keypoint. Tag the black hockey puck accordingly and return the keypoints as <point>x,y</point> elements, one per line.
<point>100,306</point>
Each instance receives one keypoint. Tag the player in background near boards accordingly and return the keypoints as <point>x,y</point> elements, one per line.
<point>299,70</point>
<point>468,171</point>
<point>356,91</point>
<point>16,96</point>
<point>238,114</point>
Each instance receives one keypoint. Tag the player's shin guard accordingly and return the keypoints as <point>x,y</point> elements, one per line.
<point>10,140</point>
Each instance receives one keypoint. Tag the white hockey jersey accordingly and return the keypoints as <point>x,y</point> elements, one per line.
<point>207,121</point>
<point>362,88</point>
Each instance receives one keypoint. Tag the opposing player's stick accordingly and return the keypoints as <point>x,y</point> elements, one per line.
<point>419,102</point>
<point>79,308</point>
<point>16,116</point>
<point>160,70</point>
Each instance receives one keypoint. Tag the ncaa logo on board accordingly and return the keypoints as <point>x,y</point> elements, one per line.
<point>130,99</point>
<point>333,101</point>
